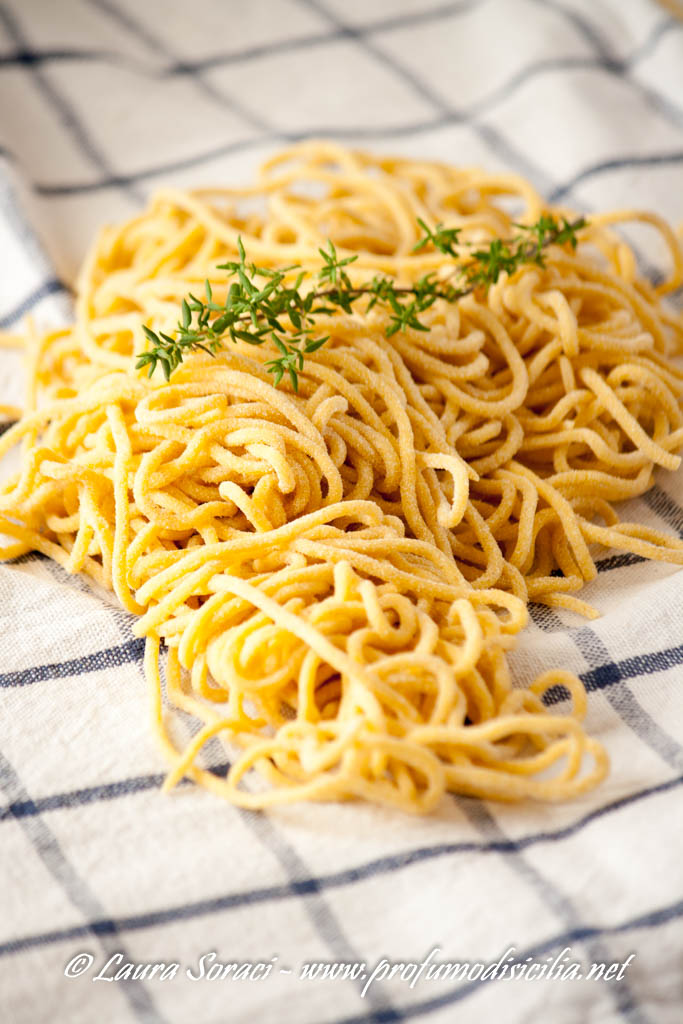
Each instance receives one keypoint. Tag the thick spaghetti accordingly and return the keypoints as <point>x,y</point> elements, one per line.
<point>337,573</point>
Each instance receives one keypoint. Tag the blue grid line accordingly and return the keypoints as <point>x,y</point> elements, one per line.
<point>583,26</point>
<point>136,28</point>
<point>619,561</point>
<point>563,907</point>
<point>654,919</point>
<point>625,703</point>
<point>552,66</point>
<point>29,58</point>
<point>338,879</point>
<point>363,43</point>
<point>390,1014</point>
<point>33,252</point>
<point>596,678</point>
<point>74,887</point>
<point>484,105</point>
<point>132,650</point>
<point>490,135</point>
<point>444,119</point>
<point>611,65</point>
<point>622,68</point>
<point>91,795</point>
<point>52,286</point>
<point>245,55</point>
<point>60,105</point>
<point>410,19</point>
<point>663,505</point>
<point>604,675</point>
<point>608,62</point>
<point>555,194</point>
<point>617,164</point>
<point>608,672</point>
<point>106,658</point>
<point>313,900</point>
<point>143,783</point>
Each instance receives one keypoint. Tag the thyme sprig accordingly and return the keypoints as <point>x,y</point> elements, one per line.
<point>263,303</point>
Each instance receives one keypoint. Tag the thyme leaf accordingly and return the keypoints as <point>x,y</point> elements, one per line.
<point>255,311</point>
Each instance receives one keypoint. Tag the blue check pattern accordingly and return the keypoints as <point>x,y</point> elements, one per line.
<point>102,102</point>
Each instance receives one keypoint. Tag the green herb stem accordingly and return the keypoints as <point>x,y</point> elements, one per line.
<point>260,304</point>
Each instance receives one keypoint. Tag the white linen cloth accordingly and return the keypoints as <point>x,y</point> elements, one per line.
<point>102,101</point>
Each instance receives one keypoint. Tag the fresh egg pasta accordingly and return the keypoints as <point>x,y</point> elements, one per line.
<point>329,578</point>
